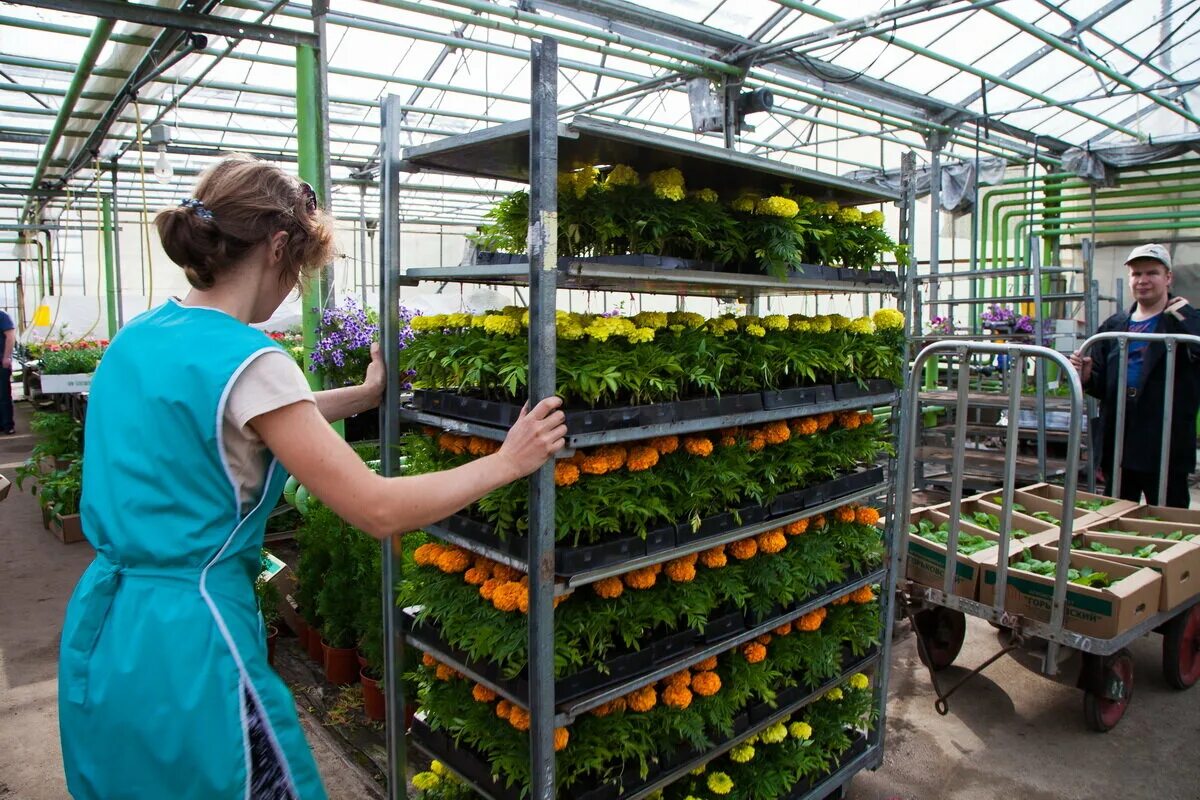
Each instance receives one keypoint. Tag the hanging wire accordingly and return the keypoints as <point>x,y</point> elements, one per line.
<point>137,113</point>
<point>99,252</point>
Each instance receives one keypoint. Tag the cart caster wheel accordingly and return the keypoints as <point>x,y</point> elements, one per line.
<point>1105,702</point>
<point>942,631</point>
<point>1181,649</point>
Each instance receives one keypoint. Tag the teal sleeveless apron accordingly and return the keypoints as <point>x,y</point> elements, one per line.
<point>164,688</point>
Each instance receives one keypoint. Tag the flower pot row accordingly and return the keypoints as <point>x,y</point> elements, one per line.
<point>342,666</point>
<point>571,561</point>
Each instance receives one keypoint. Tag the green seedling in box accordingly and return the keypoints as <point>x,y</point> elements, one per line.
<point>967,543</point>
<point>1081,577</point>
<point>992,523</point>
<point>1046,516</point>
<point>1173,536</point>
<point>1141,552</point>
<point>1093,505</point>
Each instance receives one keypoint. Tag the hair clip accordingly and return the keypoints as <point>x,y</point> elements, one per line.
<point>201,211</point>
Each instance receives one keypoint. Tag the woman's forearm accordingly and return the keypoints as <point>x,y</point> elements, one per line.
<point>337,404</point>
<point>410,503</point>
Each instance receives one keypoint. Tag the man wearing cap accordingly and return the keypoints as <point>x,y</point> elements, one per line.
<point>1156,310</point>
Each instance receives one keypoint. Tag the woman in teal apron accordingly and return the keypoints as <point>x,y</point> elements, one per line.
<point>164,688</point>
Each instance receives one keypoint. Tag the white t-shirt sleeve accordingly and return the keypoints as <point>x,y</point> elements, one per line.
<point>271,381</point>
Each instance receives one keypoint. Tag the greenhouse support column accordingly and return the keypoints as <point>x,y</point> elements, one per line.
<point>110,281</point>
<point>543,262</point>
<point>116,239</point>
<point>362,242</point>
<point>391,117</point>
<point>935,184</point>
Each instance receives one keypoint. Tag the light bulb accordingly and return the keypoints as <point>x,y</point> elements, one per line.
<point>163,171</point>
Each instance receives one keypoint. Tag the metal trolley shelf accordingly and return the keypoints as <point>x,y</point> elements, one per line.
<point>532,151</point>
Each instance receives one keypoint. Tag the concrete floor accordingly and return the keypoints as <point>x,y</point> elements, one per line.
<point>1009,734</point>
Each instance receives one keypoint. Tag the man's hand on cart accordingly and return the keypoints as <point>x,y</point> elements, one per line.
<point>1082,365</point>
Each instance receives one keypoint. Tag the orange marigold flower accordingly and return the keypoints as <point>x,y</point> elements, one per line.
<point>488,590</point>
<point>743,549</point>
<point>754,652</point>
<point>728,441</point>
<point>609,588</point>
<point>503,709</point>
<point>810,621</point>
<point>594,465</point>
<point>613,454</point>
<point>818,522</point>
<point>478,446</point>
<point>844,514</point>
<point>643,699</point>
<point>576,458</point>
<point>757,442</point>
<point>698,446</point>
<point>864,595</point>
<point>485,564</point>
<point>677,696</point>
<point>643,578</point>
<point>771,541</point>
<point>764,639</point>
<point>523,600</point>
<point>508,596</point>
<point>453,443</point>
<point>444,673</point>
<point>684,677</point>
<point>665,445</point>
<point>482,694</point>
<point>784,629</point>
<point>708,664</point>
<point>807,426</point>
<point>706,684</point>
<point>560,599</point>
<point>865,515</point>
<point>619,705</point>
<point>849,420</point>
<point>503,572</point>
<point>867,418</point>
<point>565,474</point>
<point>454,560</point>
<point>777,432</point>
<point>825,420</point>
<point>475,576</point>
<point>840,601</point>
<point>428,660</point>
<point>714,558</point>
<point>561,737</point>
<point>796,528</point>
<point>427,554</point>
<point>642,459</point>
<point>519,719</point>
<point>681,570</point>
<point>602,710</point>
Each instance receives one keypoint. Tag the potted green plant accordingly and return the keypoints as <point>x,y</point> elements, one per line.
<point>338,603</point>
<point>59,492</point>
<point>370,626</point>
<point>315,553</point>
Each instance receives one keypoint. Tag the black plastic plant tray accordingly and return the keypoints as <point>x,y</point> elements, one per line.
<point>652,261</point>
<point>698,408</point>
<point>671,646</point>
<point>571,560</point>
<point>798,500</point>
<point>503,414</point>
<point>723,624</point>
<point>799,396</point>
<point>851,390</point>
<point>462,759</point>
<point>819,272</point>
<point>741,403</point>
<point>660,539</point>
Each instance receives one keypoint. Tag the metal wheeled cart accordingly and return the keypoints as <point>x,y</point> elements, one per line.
<point>532,151</point>
<point>1102,668</point>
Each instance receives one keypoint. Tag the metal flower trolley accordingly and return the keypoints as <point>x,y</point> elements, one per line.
<point>532,151</point>
<point>1047,631</point>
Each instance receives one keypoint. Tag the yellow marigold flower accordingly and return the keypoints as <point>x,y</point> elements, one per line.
<point>508,596</point>
<point>622,175</point>
<point>569,331</point>
<point>859,681</point>
<point>688,319</point>
<point>834,694</point>
<point>865,515</point>
<point>641,335</point>
<point>482,694</point>
<point>478,320</point>
<point>667,184</point>
<point>677,696</point>
<point>561,737</point>
<point>775,734</point>
<point>453,561</point>
<point>862,595</point>
<point>426,781</point>
<point>776,322</point>
<point>706,684</point>
<point>565,474</point>
<point>698,446</point>
<point>863,326</point>
<point>643,699</point>
<point>700,770</point>
<point>777,207</point>
<point>838,322</point>
<point>745,203</point>
<point>754,652</point>
<point>719,783</point>
<point>801,326</point>
<point>743,549</point>
<point>598,331</point>
<point>438,768</point>
<point>742,753</point>
<point>800,730</point>
<point>886,318</point>
<point>820,324</point>
<point>829,207</point>
<point>756,331</point>
<point>873,218</point>
<point>643,578</point>
<point>848,215</point>
<point>714,558</point>
<point>500,325</point>
<point>650,319</point>
<point>665,445</point>
<point>708,196</point>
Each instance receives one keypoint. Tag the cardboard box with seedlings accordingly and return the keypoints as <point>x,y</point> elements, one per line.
<point>982,514</point>
<point>1188,518</point>
<point>1044,509</point>
<point>1086,501</point>
<point>1177,562</point>
<point>1131,526</point>
<point>926,563</point>
<point>1102,611</point>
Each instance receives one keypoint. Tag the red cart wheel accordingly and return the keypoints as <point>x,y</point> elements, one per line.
<point>942,632</point>
<point>1181,649</point>
<point>1105,702</point>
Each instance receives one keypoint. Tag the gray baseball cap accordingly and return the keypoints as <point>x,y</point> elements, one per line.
<point>1154,251</point>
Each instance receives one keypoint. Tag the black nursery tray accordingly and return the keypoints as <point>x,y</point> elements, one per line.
<point>501,414</point>
<point>872,387</point>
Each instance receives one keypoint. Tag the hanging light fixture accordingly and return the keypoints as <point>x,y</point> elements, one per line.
<point>160,137</point>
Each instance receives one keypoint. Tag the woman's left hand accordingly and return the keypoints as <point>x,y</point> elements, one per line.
<point>376,380</point>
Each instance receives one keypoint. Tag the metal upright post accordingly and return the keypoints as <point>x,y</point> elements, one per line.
<point>1040,367</point>
<point>543,263</point>
<point>110,285</point>
<point>362,242</point>
<point>935,186</point>
<point>389,430</point>
<point>116,228</point>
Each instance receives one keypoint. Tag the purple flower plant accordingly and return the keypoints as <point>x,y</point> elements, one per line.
<point>944,325</point>
<point>344,338</point>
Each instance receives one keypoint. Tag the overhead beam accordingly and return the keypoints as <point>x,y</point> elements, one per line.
<point>179,20</point>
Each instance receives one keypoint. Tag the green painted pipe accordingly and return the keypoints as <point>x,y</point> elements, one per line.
<point>308,139</point>
<point>87,63</point>
<point>110,281</point>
